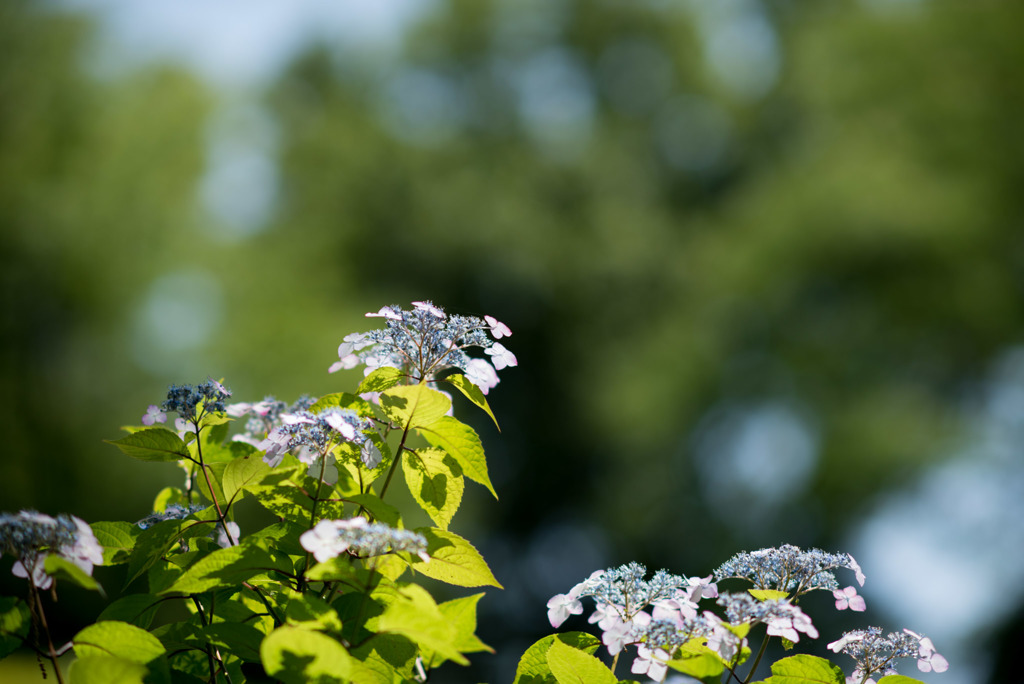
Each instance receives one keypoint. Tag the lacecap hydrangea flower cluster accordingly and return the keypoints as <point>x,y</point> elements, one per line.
<point>658,616</point>
<point>357,536</point>
<point>191,403</point>
<point>30,537</point>
<point>425,341</point>
<point>876,652</point>
<point>225,535</point>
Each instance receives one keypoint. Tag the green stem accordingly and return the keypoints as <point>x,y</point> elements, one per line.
<point>366,592</point>
<point>757,661</point>
<point>209,647</point>
<point>266,602</point>
<point>312,515</point>
<point>213,495</point>
<point>51,651</point>
<point>394,463</point>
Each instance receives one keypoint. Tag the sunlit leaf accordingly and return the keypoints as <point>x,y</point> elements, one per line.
<point>435,481</point>
<point>473,393</point>
<point>414,405</point>
<point>463,444</point>
<point>453,560</point>
<point>117,539</point>
<point>120,639</point>
<point>298,656</point>
<point>570,666</point>
<point>153,444</point>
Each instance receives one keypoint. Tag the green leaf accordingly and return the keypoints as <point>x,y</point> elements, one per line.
<point>135,609</point>
<point>159,539</point>
<point>216,474</point>
<point>117,539</point>
<point>413,406</point>
<point>298,656</point>
<point>242,473</point>
<point>570,666</point>
<point>899,679</point>
<point>154,444</point>
<point>332,570</point>
<point>107,669</point>
<point>214,451</point>
<point>699,665</point>
<point>767,594</point>
<point>435,480</point>
<point>415,615</point>
<point>119,639</point>
<point>391,566</point>
<point>453,560</point>
<point>461,614</point>
<point>168,496</point>
<point>533,666</point>
<point>227,568</point>
<point>312,612</point>
<point>805,669</point>
<point>238,639</point>
<point>377,507</point>
<point>279,492</point>
<point>462,442</point>
<point>281,536</point>
<point>389,658</point>
<point>15,620</point>
<point>344,400</point>
<point>379,380</point>
<point>473,393</point>
<point>62,568</point>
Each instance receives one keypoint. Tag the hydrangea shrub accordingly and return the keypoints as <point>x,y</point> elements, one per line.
<point>329,591</point>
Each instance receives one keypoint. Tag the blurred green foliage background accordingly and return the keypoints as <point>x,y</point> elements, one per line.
<point>759,259</point>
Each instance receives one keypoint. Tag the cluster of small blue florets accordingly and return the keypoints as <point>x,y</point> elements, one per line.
<point>425,341</point>
<point>265,415</point>
<point>742,607</point>
<point>788,568</point>
<point>171,512</point>
<point>331,538</point>
<point>378,538</point>
<point>874,650</point>
<point>670,634</point>
<point>28,532</point>
<point>626,586</point>
<point>185,399</point>
<point>317,430</point>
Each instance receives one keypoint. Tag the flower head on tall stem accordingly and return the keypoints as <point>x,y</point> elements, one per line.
<point>331,538</point>
<point>425,341</point>
<point>876,653</point>
<point>789,568</point>
<point>313,436</point>
<point>30,537</point>
<point>193,402</point>
<point>660,613</point>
